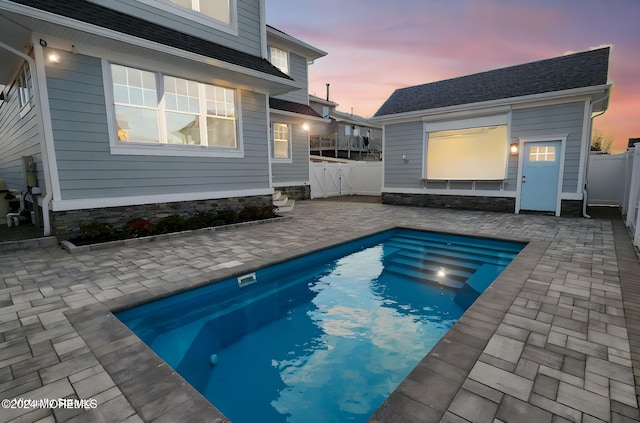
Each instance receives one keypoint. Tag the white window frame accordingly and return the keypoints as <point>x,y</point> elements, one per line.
<point>163,148</point>
<point>23,90</point>
<point>285,57</point>
<point>195,16</point>
<point>347,130</point>
<point>281,159</point>
<point>496,120</point>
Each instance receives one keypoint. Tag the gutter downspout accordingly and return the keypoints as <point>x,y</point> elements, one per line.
<point>36,94</point>
<point>585,193</point>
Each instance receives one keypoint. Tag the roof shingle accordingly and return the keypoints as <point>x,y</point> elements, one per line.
<point>585,69</point>
<point>95,14</point>
<point>292,107</point>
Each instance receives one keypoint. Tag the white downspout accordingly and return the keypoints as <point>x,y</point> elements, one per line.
<point>585,193</point>
<point>36,94</point>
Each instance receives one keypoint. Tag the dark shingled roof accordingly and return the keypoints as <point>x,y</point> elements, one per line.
<point>290,106</point>
<point>91,13</point>
<point>585,69</point>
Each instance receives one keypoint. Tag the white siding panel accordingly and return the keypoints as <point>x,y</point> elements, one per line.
<point>297,71</point>
<point>567,118</point>
<point>19,136</point>
<point>247,40</point>
<point>298,169</point>
<point>403,139</point>
<point>87,169</point>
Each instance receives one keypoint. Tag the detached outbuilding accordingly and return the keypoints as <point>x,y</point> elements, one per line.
<point>509,140</point>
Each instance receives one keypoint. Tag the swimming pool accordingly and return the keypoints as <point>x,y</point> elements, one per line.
<point>328,335</point>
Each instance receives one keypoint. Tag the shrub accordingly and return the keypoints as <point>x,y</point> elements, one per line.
<point>200,220</point>
<point>98,232</point>
<point>139,227</point>
<point>250,213</point>
<point>173,223</point>
<point>227,216</point>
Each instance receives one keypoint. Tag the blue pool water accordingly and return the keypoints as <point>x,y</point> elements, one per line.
<point>325,337</point>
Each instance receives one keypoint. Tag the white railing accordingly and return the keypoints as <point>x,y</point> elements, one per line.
<point>631,200</point>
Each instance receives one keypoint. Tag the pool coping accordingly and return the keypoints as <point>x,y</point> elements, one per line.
<point>159,393</point>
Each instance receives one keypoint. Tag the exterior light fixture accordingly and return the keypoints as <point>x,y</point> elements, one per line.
<point>305,126</point>
<point>53,57</point>
<point>514,148</point>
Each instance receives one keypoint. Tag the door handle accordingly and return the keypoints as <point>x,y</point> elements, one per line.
<point>524,179</point>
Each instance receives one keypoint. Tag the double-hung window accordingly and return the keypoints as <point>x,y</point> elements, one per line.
<point>24,92</point>
<point>279,59</point>
<point>152,108</point>
<point>281,141</point>
<point>216,9</point>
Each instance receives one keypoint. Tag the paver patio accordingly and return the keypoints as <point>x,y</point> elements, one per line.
<point>556,337</point>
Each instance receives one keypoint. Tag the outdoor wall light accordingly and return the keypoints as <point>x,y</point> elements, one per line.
<point>305,126</point>
<point>53,57</point>
<point>513,148</point>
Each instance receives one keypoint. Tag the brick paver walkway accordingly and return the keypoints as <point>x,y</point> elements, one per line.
<point>556,337</point>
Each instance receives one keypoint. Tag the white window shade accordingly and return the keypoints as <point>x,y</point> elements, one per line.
<point>468,154</point>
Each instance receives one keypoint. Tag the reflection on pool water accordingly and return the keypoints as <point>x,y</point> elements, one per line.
<point>325,337</point>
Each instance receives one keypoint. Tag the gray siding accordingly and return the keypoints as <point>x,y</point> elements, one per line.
<point>87,169</point>
<point>248,39</point>
<point>297,71</point>
<point>298,169</point>
<point>18,137</point>
<point>556,119</point>
<point>401,139</point>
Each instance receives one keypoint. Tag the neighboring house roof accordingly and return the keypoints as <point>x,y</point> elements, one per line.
<point>351,119</point>
<point>95,14</point>
<point>292,107</point>
<point>316,99</point>
<point>579,70</point>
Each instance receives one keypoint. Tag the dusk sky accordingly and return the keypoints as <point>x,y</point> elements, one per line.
<point>376,46</point>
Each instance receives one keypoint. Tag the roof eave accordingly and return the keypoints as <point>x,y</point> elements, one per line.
<point>307,50</point>
<point>298,115</point>
<point>279,84</point>
<point>511,101</point>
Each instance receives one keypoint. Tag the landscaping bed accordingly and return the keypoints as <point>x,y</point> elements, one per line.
<point>101,235</point>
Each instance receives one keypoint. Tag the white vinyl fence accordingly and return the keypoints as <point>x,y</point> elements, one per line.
<point>333,179</point>
<point>631,195</point>
<point>606,178</point>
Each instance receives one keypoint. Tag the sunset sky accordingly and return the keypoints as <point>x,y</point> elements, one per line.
<point>376,46</point>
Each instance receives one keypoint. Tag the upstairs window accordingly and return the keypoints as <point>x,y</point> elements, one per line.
<point>217,9</point>
<point>279,59</point>
<point>280,141</point>
<point>160,109</point>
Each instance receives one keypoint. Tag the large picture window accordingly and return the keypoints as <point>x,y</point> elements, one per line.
<point>478,153</point>
<point>161,109</point>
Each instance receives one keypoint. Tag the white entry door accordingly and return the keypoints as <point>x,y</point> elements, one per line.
<point>540,173</point>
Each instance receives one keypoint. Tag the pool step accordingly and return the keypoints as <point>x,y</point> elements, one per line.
<point>461,245</point>
<point>427,266</point>
<point>426,277</point>
<point>462,253</point>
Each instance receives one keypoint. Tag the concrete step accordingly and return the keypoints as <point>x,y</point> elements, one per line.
<point>287,207</point>
<point>281,201</point>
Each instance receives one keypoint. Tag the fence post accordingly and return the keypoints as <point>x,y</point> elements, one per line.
<point>633,214</point>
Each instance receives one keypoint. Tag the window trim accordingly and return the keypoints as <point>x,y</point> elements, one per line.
<point>24,92</point>
<point>195,16</point>
<point>286,54</point>
<point>275,158</point>
<point>451,125</point>
<point>164,149</point>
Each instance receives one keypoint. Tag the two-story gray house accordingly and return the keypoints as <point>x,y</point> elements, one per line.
<point>512,139</point>
<point>113,110</point>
